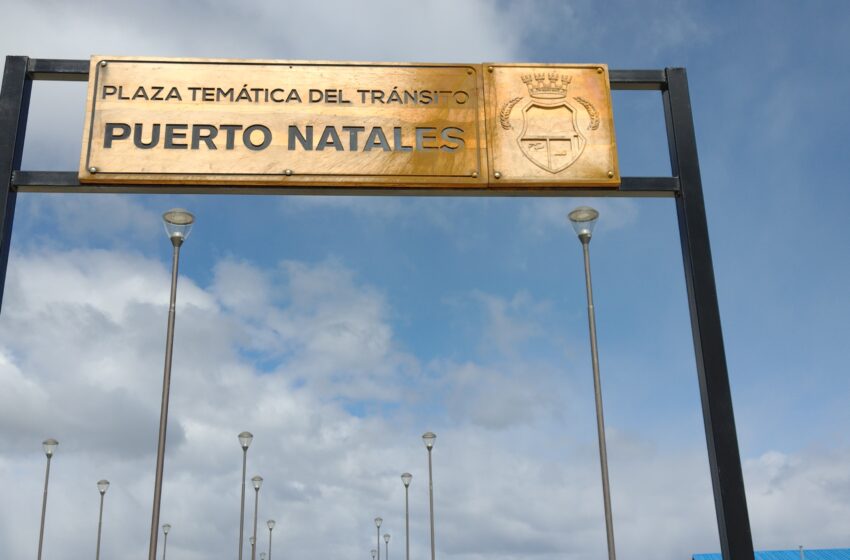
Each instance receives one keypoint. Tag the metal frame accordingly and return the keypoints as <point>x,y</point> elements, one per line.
<point>684,185</point>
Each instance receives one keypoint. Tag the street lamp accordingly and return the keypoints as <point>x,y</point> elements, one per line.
<point>245,439</point>
<point>405,479</point>
<point>378,522</point>
<point>257,481</point>
<point>102,486</point>
<point>262,556</point>
<point>583,219</point>
<point>252,541</point>
<point>373,553</point>
<point>49,445</point>
<point>178,225</point>
<point>429,438</point>
<point>387,546</point>
<point>165,529</point>
<point>270,523</point>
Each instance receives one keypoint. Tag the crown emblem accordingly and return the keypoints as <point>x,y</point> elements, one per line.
<point>539,87</point>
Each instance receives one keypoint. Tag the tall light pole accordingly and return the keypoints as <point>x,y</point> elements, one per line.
<point>245,439</point>
<point>373,553</point>
<point>178,225</point>
<point>49,445</point>
<point>387,546</point>
<point>270,524</point>
<point>102,486</point>
<point>257,481</point>
<point>165,529</point>
<point>429,438</point>
<point>405,479</point>
<point>378,522</point>
<point>583,219</point>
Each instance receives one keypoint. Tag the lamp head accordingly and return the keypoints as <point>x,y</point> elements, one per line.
<point>102,486</point>
<point>374,552</point>
<point>166,528</point>
<point>583,219</point>
<point>270,524</point>
<point>257,481</point>
<point>429,438</point>
<point>386,538</point>
<point>178,224</point>
<point>406,478</point>
<point>378,522</point>
<point>49,446</point>
<point>245,439</point>
<point>252,540</point>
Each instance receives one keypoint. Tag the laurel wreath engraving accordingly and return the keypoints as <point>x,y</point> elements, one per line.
<point>505,113</point>
<point>591,110</point>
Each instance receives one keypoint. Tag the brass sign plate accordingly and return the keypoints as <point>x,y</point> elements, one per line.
<point>551,125</point>
<point>340,124</point>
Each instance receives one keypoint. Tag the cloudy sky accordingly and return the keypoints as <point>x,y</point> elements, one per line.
<point>338,330</point>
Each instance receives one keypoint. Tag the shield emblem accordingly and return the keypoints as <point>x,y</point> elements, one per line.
<point>550,136</point>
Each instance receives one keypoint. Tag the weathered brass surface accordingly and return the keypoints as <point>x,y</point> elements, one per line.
<point>308,124</point>
<point>550,125</point>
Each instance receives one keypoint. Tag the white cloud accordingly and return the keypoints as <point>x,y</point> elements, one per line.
<point>82,358</point>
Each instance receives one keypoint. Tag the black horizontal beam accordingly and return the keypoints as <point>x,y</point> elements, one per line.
<point>638,79</point>
<point>78,70</point>
<point>56,69</point>
<point>68,182</point>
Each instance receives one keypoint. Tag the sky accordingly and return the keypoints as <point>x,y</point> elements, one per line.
<point>339,329</point>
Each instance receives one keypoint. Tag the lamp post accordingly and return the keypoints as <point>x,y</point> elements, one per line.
<point>270,524</point>
<point>49,445</point>
<point>178,225</point>
<point>387,546</point>
<point>165,529</point>
<point>373,553</point>
<point>257,481</point>
<point>378,522</point>
<point>583,219</point>
<point>102,486</point>
<point>405,479</point>
<point>245,439</point>
<point>429,438</point>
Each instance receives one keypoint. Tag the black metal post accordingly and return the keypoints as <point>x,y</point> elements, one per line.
<point>730,501</point>
<point>14,107</point>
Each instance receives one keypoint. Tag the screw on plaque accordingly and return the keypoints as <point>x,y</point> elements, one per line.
<point>599,70</point>
<point>489,68</point>
<point>474,174</point>
<point>497,175</point>
<point>102,63</point>
<point>611,174</point>
<point>92,169</point>
<point>288,172</point>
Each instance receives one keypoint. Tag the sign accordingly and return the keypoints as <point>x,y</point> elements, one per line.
<point>279,123</point>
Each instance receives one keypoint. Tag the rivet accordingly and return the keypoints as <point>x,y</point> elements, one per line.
<point>474,174</point>
<point>489,68</point>
<point>497,175</point>
<point>288,172</point>
<point>92,169</point>
<point>610,174</point>
<point>102,63</point>
<point>469,72</point>
<point>599,70</point>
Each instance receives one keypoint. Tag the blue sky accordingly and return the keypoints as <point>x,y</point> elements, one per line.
<point>339,329</point>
